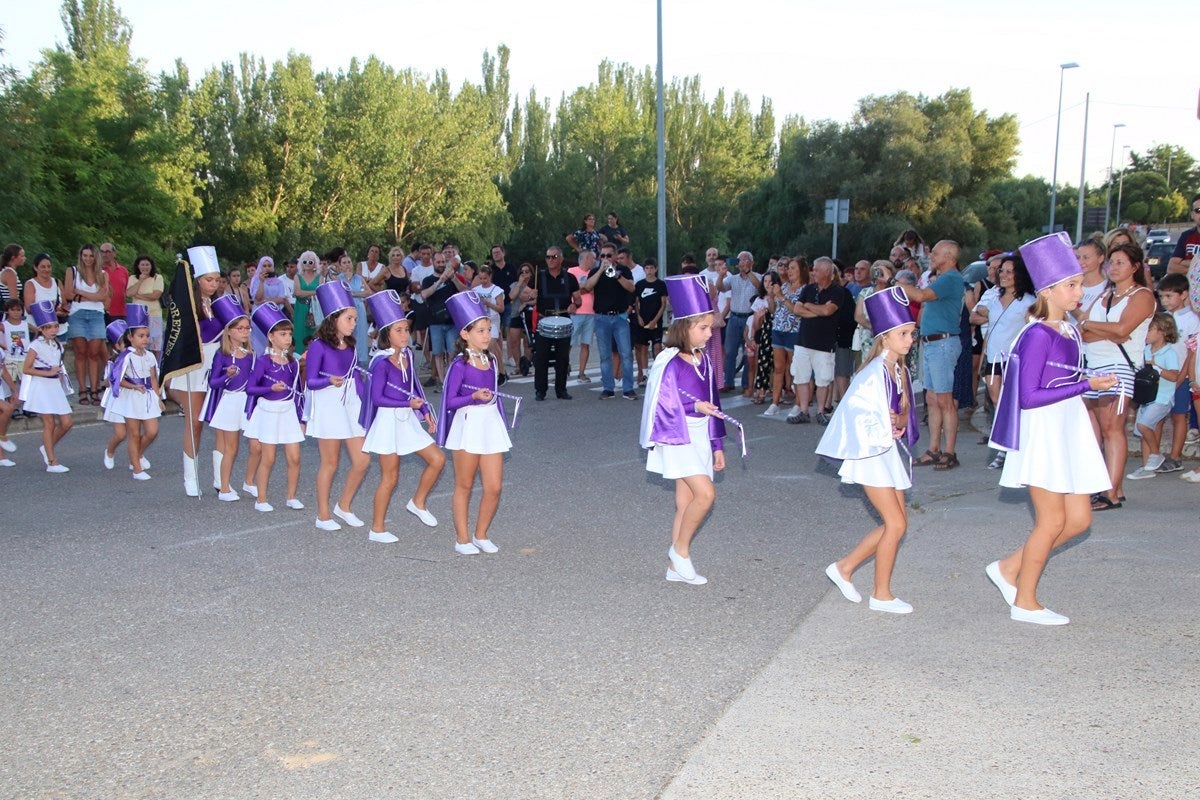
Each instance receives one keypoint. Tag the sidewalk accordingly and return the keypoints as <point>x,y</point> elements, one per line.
<point>957,701</point>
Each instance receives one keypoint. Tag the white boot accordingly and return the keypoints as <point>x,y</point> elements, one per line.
<point>218,457</point>
<point>191,485</point>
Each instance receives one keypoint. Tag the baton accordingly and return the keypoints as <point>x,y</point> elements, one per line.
<point>721,414</point>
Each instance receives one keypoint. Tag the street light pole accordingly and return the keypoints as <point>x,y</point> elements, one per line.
<point>1108,196</point>
<point>1062,72</point>
<point>1121,182</point>
<point>1087,103</point>
<point>662,158</point>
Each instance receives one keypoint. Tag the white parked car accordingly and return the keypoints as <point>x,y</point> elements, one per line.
<point>1157,235</point>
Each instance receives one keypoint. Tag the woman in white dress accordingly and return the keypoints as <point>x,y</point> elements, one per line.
<point>135,390</point>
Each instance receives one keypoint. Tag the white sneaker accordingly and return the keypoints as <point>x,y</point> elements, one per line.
<point>228,497</point>
<point>141,476</point>
<point>383,538</point>
<point>1191,476</point>
<point>672,575</point>
<point>294,503</point>
<point>1193,435</point>
<point>485,545</point>
<point>328,525</point>
<point>7,446</point>
<point>57,468</point>
<point>422,514</point>
<point>893,606</point>
<point>109,461</point>
<point>263,507</point>
<point>681,565</point>
<point>348,517</point>
<point>7,462</point>
<point>45,458</point>
<point>1141,473</point>
<point>467,549</point>
<point>248,489</point>
<point>1155,461</point>
<point>772,410</point>
<point>145,462</point>
<point>1043,616</point>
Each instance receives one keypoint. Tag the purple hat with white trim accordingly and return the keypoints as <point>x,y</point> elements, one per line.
<point>267,317</point>
<point>888,310</point>
<point>465,308</point>
<point>227,309</point>
<point>334,297</point>
<point>1050,260</point>
<point>116,329</point>
<point>43,313</point>
<point>136,317</point>
<point>689,295</point>
<point>385,308</point>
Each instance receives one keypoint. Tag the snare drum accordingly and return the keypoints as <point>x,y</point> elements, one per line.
<point>554,327</point>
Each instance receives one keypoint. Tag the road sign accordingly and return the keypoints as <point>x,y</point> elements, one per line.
<point>837,212</point>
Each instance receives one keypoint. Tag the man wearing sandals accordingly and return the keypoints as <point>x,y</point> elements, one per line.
<point>941,312</point>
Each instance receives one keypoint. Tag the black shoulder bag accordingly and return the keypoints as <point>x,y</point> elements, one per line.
<point>1145,380</point>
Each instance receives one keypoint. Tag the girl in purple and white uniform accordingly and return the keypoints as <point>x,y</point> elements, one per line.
<point>276,399</point>
<point>225,405</point>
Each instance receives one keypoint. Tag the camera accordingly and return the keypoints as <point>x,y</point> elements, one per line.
<point>876,274</point>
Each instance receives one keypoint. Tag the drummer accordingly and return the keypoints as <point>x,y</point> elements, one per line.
<point>557,297</point>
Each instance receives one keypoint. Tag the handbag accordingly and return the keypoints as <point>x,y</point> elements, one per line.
<point>1145,381</point>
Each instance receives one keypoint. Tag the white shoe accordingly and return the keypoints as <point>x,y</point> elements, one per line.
<point>1191,476</point>
<point>249,489</point>
<point>7,446</point>
<point>893,606</point>
<point>844,586</point>
<point>141,476</point>
<point>1193,435</point>
<point>57,468</point>
<point>109,461</point>
<point>348,517</point>
<point>191,485</point>
<point>681,565</point>
<point>45,458</point>
<point>1043,616</point>
<point>383,538</point>
<point>145,462</point>
<point>7,462</point>
<point>1141,473</point>
<point>467,549</point>
<point>296,504</point>
<point>1155,461</point>
<point>218,457</point>
<point>772,410</point>
<point>328,525</point>
<point>485,545</point>
<point>229,496</point>
<point>422,514</point>
<point>672,575</point>
<point>263,507</point>
<point>1007,590</point>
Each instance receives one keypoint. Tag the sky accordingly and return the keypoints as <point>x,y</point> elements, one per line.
<point>811,59</point>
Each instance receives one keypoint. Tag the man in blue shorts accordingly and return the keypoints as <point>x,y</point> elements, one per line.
<point>941,314</point>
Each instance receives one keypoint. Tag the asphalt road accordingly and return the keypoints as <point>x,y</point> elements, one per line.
<point>157,646</point>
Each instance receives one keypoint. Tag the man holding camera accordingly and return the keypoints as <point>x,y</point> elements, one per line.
<point>742,288</point>
<point>611,285</point>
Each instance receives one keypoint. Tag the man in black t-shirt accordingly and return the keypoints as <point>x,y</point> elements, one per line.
<point>436,289</point>
<point>650,302</point>
<point>611,284</point>
<point>557,296</point>
<point>818,307</point>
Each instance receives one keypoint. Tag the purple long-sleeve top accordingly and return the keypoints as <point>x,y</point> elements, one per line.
<point>1031,382</point>
<point>390,387</point>
<point>669,404</point>
<point>264,376</point>
<point>324,362</point>
<point>456,394</point>
<point>218,379</point>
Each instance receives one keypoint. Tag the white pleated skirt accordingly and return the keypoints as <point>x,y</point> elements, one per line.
<point>230,414</point>
<point>106,403</point>
<point>197,379</point>
<point>1058,451</point>
<point>478,429</point>
<point>132,404</point>
<point>682,460</point>
<point>43,395</point>
<point>274,422</point>
<point>331,418</point>
<point>888,469</point>
<point>396,431</point>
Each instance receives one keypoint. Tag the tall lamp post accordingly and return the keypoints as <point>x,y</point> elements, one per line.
<point>1062,71</point>
<point>662,156</point>
<point>1121,181</point>
<point>1087,104</point>
<point>1108,197</point>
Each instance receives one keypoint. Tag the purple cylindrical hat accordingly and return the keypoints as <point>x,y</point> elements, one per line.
<point>688,295</point>
<point>116,329</point>
<point>1050,260</point>
<point>136,316</point>
<point>333,297</point>
<point>267,316</point>
<point>385,308</point>
<point>888,310</point>
<point>204,260</point>
<point>227,309</point>
<point>464,309</point>
<point>43,313</point>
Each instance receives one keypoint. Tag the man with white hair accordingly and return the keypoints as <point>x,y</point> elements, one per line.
<point>742,288</point>
<point>818,307</point>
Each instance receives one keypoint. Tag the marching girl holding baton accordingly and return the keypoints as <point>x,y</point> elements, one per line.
<point>115,333</point>
<point>274,406</point>
<point>875,418</point>
<point>337,387</point>
<point>225,406</point>
<point>682,424</point>
<point>134,386</point>
<point>44,384</point>
<point>1043,425</point>
<point>392,416</point>
<point>472,423</point>
<point>189,389</point>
